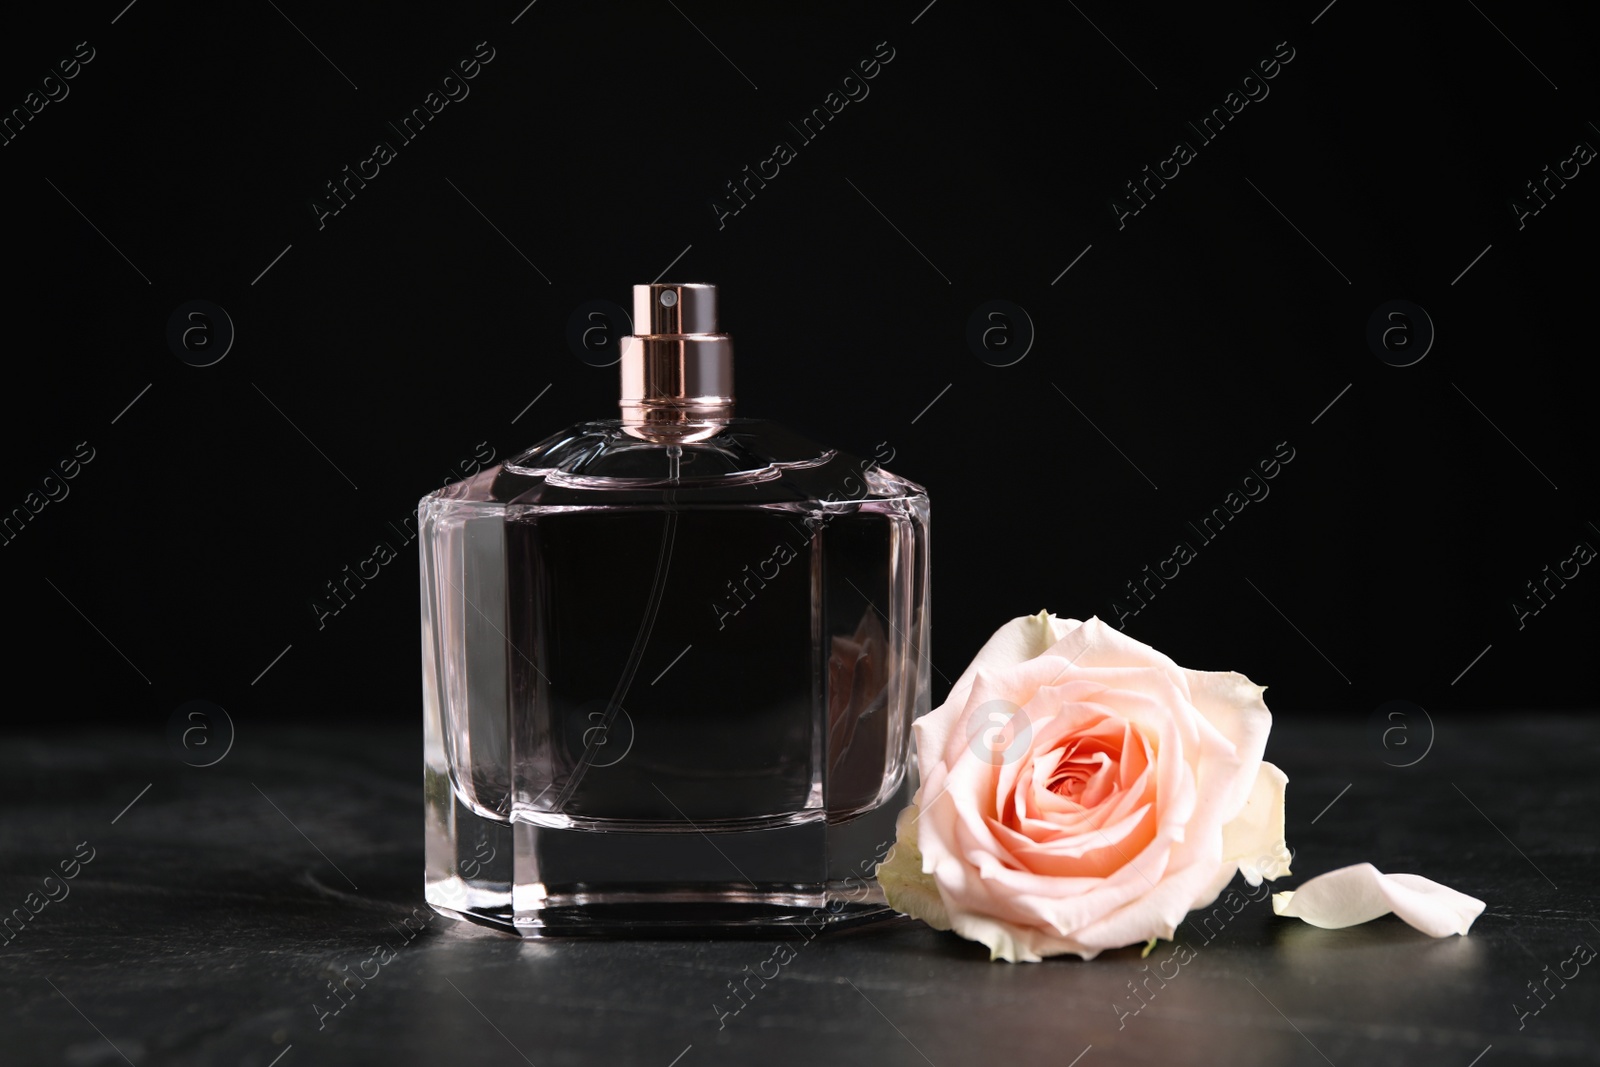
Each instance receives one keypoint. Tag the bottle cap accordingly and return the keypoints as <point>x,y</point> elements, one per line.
<point>677,372</point>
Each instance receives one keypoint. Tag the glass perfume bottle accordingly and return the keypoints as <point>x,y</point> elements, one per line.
<point>670,663</point>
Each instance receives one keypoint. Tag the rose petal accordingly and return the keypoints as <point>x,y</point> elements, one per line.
<point>1361,893</point>
<point>1253,841</point>
<point>905,886</point>
<point>1019,640</point>
<point>1195,856</point>
<point>966,860</point>
<point>1228,701</point>
<point>1253,844</point>
<point>1232,703</point>
<point>1016,944</point>
<point>993,697</point>
<point>1094,644</point>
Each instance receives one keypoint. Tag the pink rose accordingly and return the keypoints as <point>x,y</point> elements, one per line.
<point>1080,792</point>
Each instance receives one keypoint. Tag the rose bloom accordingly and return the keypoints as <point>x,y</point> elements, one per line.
<point>1081,792</point>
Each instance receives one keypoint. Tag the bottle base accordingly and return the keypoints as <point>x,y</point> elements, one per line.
<point>683,912</point>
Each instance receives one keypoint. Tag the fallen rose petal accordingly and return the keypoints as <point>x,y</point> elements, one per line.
<point>1361,893</point>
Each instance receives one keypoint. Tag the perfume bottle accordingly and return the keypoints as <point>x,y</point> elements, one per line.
<point>670,663</point>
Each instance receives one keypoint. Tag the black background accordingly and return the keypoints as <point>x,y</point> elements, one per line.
<point>1176,353</point>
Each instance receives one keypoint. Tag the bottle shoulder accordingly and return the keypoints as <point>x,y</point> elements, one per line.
<point>749,461</point>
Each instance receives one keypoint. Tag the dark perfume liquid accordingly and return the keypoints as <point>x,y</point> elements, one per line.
<point>699,665</point>
<point>679,720</point>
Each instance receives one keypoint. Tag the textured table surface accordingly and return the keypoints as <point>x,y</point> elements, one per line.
<point>217,908</point>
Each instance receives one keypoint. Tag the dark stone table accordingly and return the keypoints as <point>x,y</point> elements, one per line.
<point>218,908</point>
